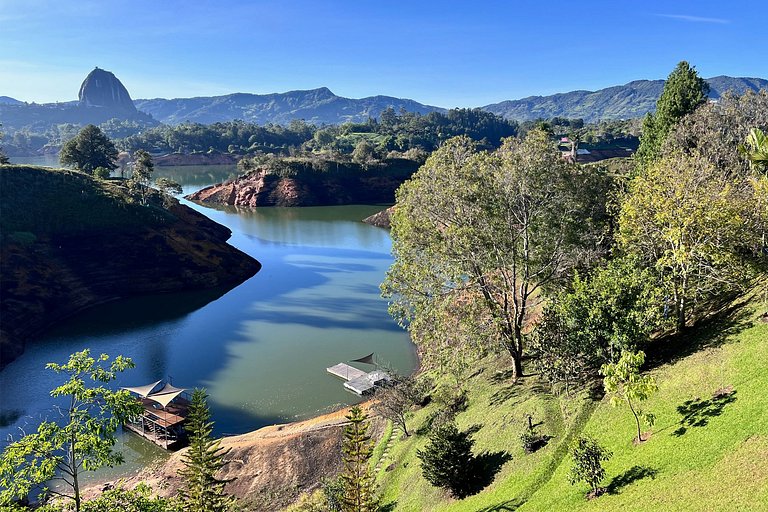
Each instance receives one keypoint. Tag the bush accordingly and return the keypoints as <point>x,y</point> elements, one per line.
<point>447,460</point>
<point>101,173</point>
<point>588,457</point>
<point>452,400</point>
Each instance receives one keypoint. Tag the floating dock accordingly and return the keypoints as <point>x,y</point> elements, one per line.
<point>358,381</point>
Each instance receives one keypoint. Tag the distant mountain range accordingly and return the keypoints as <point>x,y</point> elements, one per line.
<point>318,106</point>
<point>631,100</point>
<point>103,96</point>
<point>7,100</point>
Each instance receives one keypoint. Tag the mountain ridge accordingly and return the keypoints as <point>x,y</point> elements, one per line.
<point>631,100</point>
<point>318,105</point>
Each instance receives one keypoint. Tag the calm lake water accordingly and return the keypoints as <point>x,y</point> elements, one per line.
<point>260,349</point>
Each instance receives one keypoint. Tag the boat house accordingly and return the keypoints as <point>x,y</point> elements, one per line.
<point>164,415</point>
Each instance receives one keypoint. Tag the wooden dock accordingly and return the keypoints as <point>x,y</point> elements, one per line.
<point>358,381</point>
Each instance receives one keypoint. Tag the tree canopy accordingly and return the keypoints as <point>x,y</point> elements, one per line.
<point>89,149</point>
<point>81,440</point>
<point>484,234</point>
<point>683,91</point>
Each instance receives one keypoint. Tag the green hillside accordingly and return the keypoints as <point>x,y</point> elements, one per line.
<point>707,451</point>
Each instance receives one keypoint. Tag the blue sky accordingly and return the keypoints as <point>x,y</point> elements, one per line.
<point>446,53</point>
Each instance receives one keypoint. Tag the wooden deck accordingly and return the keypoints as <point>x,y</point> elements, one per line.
<point>346,372</point>
<point>358,381</point>
<point>164,427</point>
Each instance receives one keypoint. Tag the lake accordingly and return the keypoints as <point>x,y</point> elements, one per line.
<point>260,349</point>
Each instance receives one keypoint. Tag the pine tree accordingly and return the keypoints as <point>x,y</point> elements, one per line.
<point>447,460</point>
<point>359,491</point>
<point>203,459</point>
<point>684,90</point>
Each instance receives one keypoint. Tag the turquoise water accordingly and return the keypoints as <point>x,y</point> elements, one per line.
<point>260,349</point>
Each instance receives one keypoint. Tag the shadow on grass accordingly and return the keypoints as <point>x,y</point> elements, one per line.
<point>502,376</point>
<point>388,507</point>
<point>505,393</point>
<point>631,475</point>
<point>697,412</point>
<point>505,506</point>
<point>487,464</point>
<point>711,332</point>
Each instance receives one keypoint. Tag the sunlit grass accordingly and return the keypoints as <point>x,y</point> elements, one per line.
<point>706,452</point>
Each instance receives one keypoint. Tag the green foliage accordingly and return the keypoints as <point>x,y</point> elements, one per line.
<point>684,90</point>
<point>499,229</point>
<point>333,492</point>
<point>141,177</point>
<point>588,457</point>
<point>88,150</point>
<point>82,440</point>
<point>531,439</point>
<point>139,499</point>
<point>359,484</point>
<point>447,460</point>
<point>101,173</point>
<point>204,458</point>
<point>168,188</point>
<point>625,383</point>
<point>364,153</point>
<point>615,308</point>
<point>688,221</point>
<point>756,149</point>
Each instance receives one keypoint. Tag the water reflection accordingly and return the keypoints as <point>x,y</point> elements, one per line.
<point>260,349</point>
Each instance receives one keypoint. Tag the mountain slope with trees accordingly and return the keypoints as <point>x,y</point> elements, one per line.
<point>627,101</point>
<point>319,106</point>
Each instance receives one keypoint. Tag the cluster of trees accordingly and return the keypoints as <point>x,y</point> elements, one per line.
<point>518,252</point>
<point>92,152</point>
<point>518,236</point>
<point>83,440</point>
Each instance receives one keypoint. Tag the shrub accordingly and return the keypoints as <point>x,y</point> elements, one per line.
<point>588,457</point>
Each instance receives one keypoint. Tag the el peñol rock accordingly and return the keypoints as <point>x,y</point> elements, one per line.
<point>103,89</point>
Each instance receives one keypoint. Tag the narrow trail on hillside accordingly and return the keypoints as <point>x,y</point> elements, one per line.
<point>557,459</point>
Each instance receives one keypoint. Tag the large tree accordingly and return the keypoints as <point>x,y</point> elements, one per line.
<point>202,489</point>
<point>80,440</point>
<point>141,177</point>
<point>485,234</point>
<point>686,220</point>
<point>683,91</point>
<point>88,150</point>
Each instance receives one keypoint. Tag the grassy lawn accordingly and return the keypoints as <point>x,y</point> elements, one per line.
<point>706,452</point>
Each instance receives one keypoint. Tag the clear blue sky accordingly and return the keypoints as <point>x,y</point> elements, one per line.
<point>446,53</point>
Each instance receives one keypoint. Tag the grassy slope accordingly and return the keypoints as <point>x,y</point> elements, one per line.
<point>719,464</point>
<point>65,201</point>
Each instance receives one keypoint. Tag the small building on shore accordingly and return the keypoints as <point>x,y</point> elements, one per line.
<point>165,410</point>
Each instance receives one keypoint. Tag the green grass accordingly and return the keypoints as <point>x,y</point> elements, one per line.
<point>720,462</point>
<point>38,200</point>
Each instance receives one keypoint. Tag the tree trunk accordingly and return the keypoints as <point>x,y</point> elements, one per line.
<point>637,420</point>
<point>517,366</point>
<point>682,306</point>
